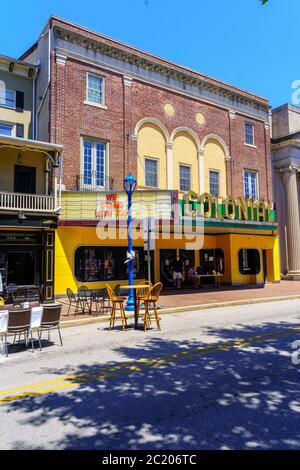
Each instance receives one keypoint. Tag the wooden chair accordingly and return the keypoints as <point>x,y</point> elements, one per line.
<point>142,293</point>
<point>152,298</point>
<point>116,302</point>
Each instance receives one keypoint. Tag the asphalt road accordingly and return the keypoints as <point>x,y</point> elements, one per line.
<point>213,379</point>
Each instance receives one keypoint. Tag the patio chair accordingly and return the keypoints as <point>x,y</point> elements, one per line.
<point>84,297</point>
<point>19,321</point>
<point>10,290</point>
<point>19,296</point>
<point>100,298</point>
<point>73,300</point>
<point>142,293</point>
<point>117,302</point>
<point>50,321</point>
<point>33,295</point>
<point>151,299</point>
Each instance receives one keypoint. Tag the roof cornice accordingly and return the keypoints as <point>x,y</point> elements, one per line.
<point>160,66</point>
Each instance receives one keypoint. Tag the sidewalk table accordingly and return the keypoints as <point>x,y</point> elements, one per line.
<point>135,287</point>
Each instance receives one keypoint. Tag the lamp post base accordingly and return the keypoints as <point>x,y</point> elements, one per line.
<point>130,304</point>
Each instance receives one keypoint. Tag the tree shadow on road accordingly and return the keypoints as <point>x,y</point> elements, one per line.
<point>228,397</point>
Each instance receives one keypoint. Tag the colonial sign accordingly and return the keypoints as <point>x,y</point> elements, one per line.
<point>233,208</point>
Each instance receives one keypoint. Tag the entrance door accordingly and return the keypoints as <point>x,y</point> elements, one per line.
<point>25,179</point>
<point>21,267</point>
<point>265,268</point>
<point>167,258</point>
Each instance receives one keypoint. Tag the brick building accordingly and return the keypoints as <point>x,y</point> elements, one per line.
<point>117,109</point>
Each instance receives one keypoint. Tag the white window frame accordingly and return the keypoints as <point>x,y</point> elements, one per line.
<point>2,105</point>
<point>92,103</point>
<point>249,181</point>
<point>157,162</point>
<point>9,124</point>
<point>186,166</point>
<point>106,162</point>
<point>215,171</point>
<point>253,129</point>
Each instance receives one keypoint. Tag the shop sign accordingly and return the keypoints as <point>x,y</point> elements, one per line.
<point>232,208</point>
<point>153,204</point>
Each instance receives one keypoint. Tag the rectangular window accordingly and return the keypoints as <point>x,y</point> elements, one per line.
<point>214,186</point>
<point>151,178</point>
<point>249,261</point>
<point>6,129</point>
<point>250,184</point>
<point>94,159</point>
<point>249,134</point>
<point>95,263</point>
<point>184,178</point>
<point>7,98</point>
<point>95,89</point>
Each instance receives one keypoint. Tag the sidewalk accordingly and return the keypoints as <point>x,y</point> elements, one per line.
<point>204,298</point>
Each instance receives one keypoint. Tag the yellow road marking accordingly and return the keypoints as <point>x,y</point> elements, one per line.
<point>139,365</point>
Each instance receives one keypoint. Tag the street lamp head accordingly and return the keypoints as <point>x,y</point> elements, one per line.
<point>129,183</point>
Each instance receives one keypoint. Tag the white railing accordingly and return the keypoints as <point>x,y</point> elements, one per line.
<point>26,202</point>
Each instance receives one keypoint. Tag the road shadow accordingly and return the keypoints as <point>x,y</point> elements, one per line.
<point>220,396</point>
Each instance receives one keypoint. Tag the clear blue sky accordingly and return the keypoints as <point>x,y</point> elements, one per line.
<point>241,42</point>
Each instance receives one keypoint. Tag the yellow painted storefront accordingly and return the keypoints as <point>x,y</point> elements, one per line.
<point>82,212</point>
<point>69,238</point>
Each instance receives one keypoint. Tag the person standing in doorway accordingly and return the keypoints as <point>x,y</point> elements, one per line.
<point>177,272</point>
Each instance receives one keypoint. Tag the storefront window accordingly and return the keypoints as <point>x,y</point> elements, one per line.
<point>211,262</point>
<point>249,261</point>
<point>95,263</point>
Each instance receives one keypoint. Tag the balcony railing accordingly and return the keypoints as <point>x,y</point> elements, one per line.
<point>26,202</point>
<point>94,182</point>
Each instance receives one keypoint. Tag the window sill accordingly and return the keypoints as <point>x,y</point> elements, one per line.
<point>250,145</point>
<point>148,187</point>
<point>96,105</point>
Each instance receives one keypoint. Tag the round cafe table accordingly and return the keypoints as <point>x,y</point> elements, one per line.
<point>135,287</point>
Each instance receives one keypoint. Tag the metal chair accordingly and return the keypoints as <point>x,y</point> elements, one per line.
<point>19,321</point>
<point>19,296</point>
<point>117,302</point>
<point>50,321</point>
<point>10,290</point>
<point>151,299</point>
<point>73,300</point>
<point>100,298</point>
<point>33,295</point>
<point>84,297</point>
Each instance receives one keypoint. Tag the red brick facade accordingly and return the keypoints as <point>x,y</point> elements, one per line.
<point>71,118</point>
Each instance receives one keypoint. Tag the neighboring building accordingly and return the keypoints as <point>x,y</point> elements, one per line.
<point>29,184</point>
<point>286,168</point>
<point>116,110</point>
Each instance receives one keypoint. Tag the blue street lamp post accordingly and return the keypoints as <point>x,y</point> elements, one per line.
<point>129,186</point>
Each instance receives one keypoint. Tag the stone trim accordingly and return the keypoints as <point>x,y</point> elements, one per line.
<point>60,58</point>
<point>152,66</point>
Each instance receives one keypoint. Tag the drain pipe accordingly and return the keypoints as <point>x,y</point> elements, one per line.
<point>49,74</point>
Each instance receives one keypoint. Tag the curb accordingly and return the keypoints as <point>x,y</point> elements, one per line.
<point>165,311</point>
